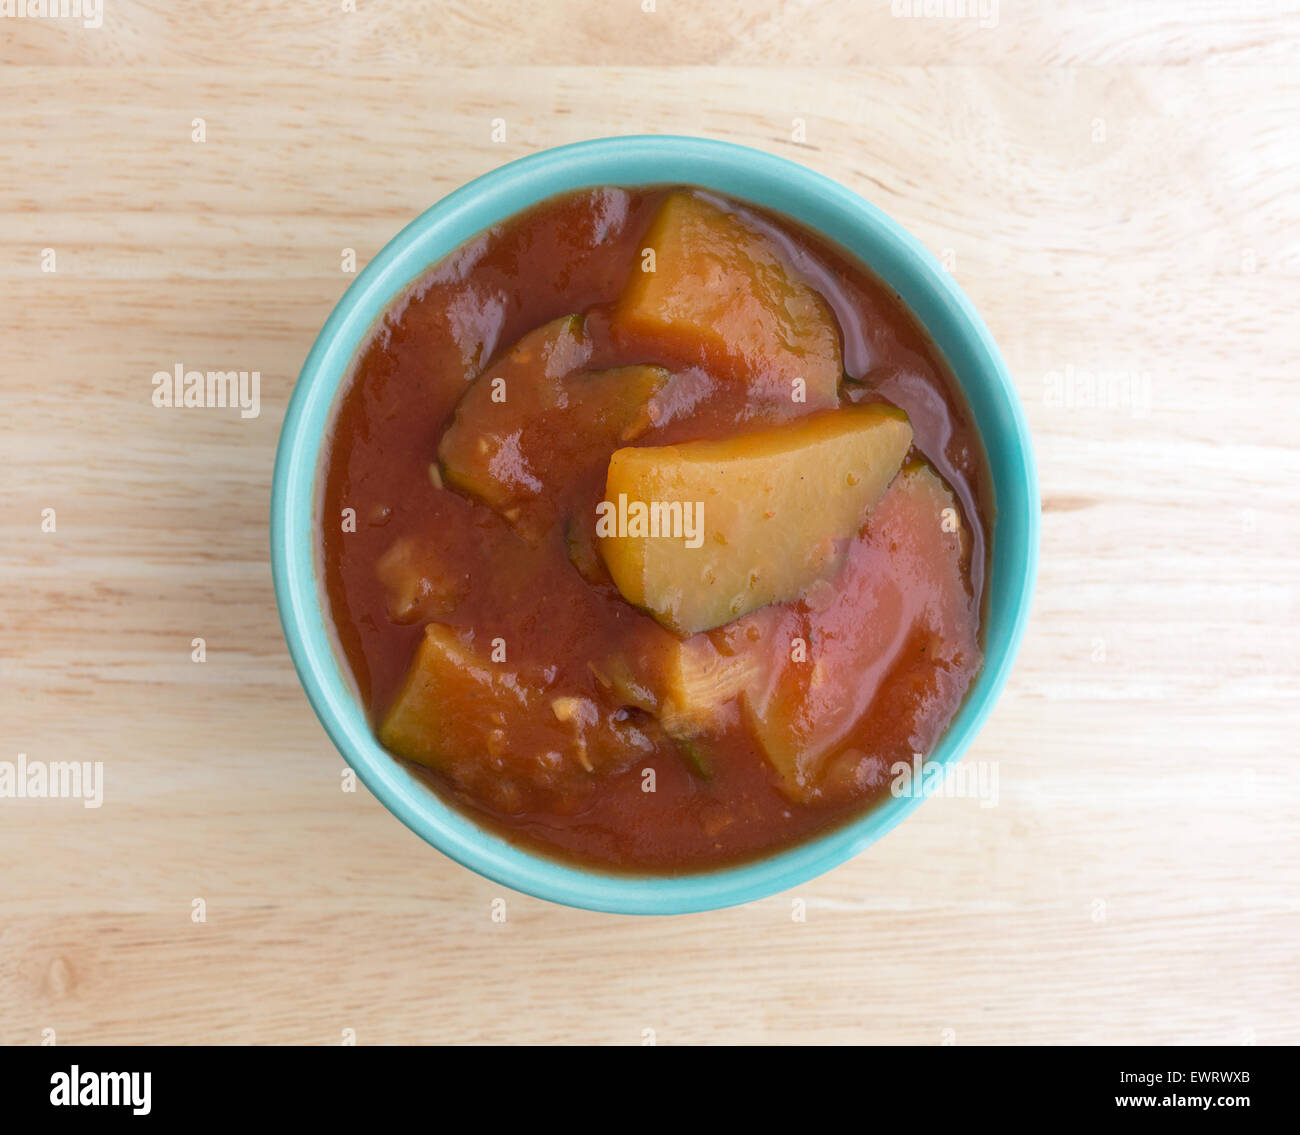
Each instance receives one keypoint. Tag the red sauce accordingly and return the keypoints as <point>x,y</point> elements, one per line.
<point>575,254</point>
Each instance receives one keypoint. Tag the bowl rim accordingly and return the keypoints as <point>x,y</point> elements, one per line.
<point>748,175</point>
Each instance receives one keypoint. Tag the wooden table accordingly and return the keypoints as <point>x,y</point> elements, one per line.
<point>1117,188</point>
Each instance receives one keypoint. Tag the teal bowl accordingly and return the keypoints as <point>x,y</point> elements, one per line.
<point>748,175</point>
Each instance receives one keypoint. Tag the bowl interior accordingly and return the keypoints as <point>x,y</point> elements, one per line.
<point>819,203</point>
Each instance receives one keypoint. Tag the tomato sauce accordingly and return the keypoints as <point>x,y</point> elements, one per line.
<point>573,254</point>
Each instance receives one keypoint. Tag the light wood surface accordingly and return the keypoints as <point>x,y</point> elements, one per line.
<point>1117,188</point>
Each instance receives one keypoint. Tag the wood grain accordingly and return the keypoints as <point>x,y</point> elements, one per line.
<point>1115,186</point>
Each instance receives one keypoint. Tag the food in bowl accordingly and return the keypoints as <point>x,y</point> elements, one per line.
<point>654,531</point>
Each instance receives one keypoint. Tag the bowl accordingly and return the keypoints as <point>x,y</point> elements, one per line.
<point>747,175</point>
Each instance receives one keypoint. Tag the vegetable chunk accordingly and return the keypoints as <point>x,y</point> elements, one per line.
<point>897,625</point>
<point>686,683</point>
<point>527,427</point>
<point>772,511</point>
<point>724,289</point>
<point>416,581</point>
<point>491,726</point>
